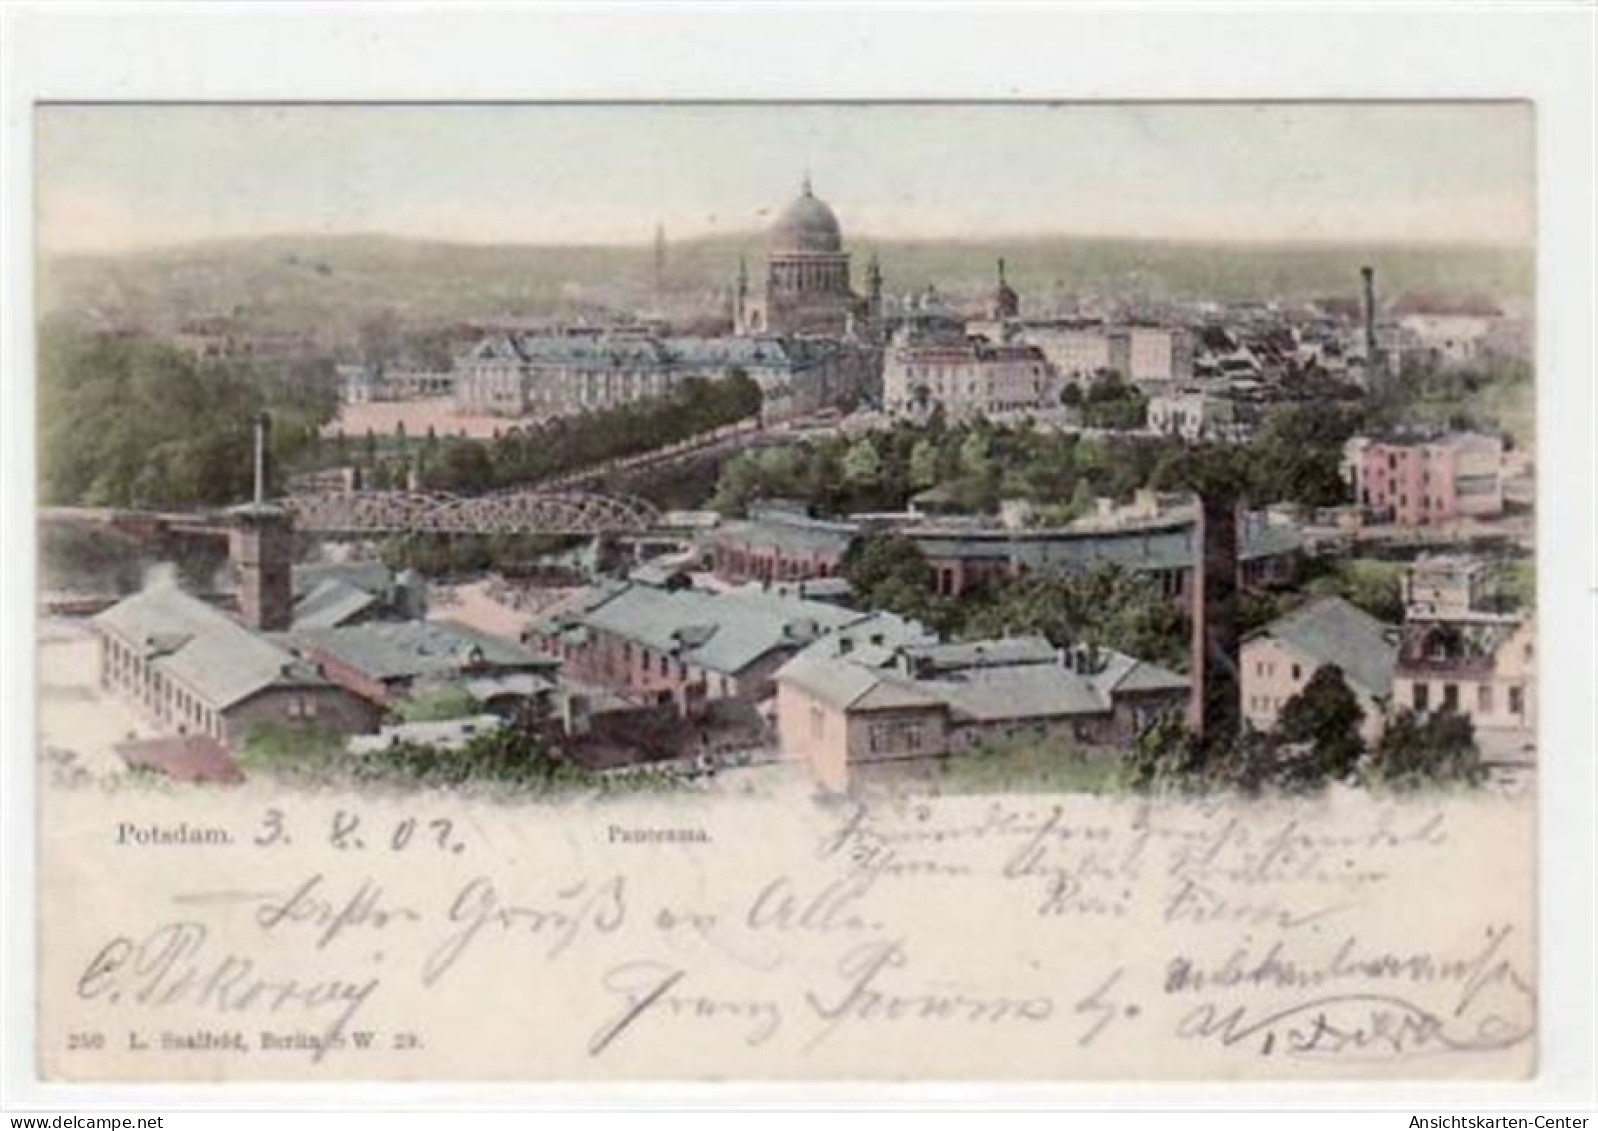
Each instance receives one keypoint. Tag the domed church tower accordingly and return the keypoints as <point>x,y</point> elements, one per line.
<point>807,287</point>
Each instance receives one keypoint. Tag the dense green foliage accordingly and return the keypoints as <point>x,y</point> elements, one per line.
<point>1496,395</point>
<point>1104,606</point>
<point>128,422</point>
<point>1296,457</point>
<point>1417,751</point>
<point>1110,403</point>
<point>888,571</point>
<point>1322,725</point>
<point>1369,583</point>
<point>1414,752</point>
<point>1515,586</point>
<point>972,466</point>
<point>1029,766</point>
<point>511,755</point>
<point>520,757</point>
<point>305,752</point>
<point>436,704</point>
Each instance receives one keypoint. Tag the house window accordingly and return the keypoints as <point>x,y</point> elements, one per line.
<point>1450,696</point>
<point>1517,701</point>
<point>1298,673</point>
<point>1484,698</point>
<point>885,738</point>
<point>1422,698</point>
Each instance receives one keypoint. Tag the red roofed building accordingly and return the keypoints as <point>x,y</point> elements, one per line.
<point>182,757</point>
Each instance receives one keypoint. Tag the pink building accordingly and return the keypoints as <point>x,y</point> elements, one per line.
<point>1427,482</point>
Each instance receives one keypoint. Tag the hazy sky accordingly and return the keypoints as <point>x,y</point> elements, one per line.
<point>121,177</point>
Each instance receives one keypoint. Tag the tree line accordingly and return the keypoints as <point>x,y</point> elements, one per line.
<point>139,423</point>
<point>973,466</point>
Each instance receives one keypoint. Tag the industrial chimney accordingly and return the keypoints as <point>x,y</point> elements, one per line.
<point>261,545</point>
<point>1368,275</point>
<point>1215,703</point>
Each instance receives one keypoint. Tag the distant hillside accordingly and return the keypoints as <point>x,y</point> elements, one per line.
<point>328,285</point>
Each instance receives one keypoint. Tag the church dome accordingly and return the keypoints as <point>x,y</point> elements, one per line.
<point>806,225</point>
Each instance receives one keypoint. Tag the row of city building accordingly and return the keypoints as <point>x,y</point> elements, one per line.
<point>785,665</point>
<point>808,338</point>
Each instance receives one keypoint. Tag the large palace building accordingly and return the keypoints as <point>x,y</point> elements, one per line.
<point>807,289</point>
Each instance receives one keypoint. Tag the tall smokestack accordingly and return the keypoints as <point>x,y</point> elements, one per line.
<point>261,545</point>
<point>263,437</point>
<point>1368,275</point>
<point>1214,706</point>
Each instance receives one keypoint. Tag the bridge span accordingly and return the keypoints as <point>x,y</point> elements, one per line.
<point>360,514</point>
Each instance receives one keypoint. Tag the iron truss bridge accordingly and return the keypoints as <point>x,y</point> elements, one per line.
<point>510,512</point>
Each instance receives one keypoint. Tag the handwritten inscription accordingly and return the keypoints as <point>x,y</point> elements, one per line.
<point>1087,925</point>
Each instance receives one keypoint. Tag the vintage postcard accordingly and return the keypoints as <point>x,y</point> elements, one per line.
<point>786,591</point>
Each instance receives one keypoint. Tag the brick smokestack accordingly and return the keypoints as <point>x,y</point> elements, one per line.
<point>263,438</point>
<point>261,545</point>
<point>1368,276</point>
<point>1215,703</point>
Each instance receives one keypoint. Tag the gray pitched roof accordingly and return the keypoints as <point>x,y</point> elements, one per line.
<point>722,632</point>
<point>1332,631</point>
<point>793,535</point>
<point>413,649</point>
<point>369,576</point>
<point>331,604</point>
<point>202,648</point>
<point>983,681</point>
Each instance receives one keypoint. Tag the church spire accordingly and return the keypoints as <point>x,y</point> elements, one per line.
<point>805,187</point>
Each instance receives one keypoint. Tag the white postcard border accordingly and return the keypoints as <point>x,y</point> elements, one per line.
<point>891,51</point>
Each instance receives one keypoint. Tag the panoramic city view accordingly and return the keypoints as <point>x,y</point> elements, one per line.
<point>567,451</point>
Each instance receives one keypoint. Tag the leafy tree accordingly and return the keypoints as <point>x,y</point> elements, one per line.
<point>1325,717</point>
<point>975,454</point>
<point>1105,606</point>
<point>1416,751</point>
<point>1298,455</point>
<point>737,486</point>
<point>888,571</point>
<point>1374,586</point>
<point>862,467</point>
<point>924,463</point>
<point>465,466</point>
<point>127,422</point>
